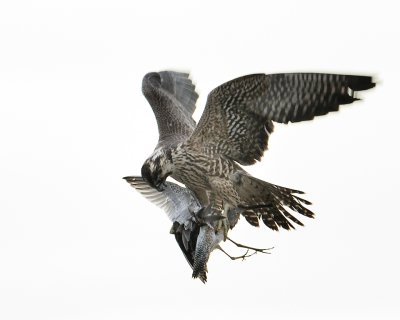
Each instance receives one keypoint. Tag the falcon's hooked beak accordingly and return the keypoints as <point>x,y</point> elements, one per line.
<point>153,177</point>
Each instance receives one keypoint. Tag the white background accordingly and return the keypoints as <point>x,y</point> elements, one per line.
<point>76,242</point>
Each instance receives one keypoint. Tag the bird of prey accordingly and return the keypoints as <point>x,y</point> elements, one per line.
<point>234,130</point>
<point>195,228</point>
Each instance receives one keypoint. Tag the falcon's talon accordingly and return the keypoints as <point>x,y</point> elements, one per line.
<point>251,248</point>
<point>243,257</point>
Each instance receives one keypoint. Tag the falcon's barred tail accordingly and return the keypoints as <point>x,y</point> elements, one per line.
<point>261,199</point>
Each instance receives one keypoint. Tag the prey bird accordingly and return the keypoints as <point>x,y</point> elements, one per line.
<point>195,228</point>
<point>234,130</point>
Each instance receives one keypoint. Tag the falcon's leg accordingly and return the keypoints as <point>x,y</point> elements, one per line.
<point>244,256</point>
<point>250,248</point>
<point>224,223</point>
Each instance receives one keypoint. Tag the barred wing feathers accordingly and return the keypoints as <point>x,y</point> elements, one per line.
<point>237,119</point>
<point>172,97</point>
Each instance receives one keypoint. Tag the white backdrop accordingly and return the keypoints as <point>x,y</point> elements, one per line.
<point>77,242</point>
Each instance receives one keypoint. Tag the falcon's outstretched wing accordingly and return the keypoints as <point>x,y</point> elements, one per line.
<point>172,97</point>
<point>237,119</point>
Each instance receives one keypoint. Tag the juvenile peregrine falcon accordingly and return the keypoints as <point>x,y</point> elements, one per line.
<point>234,129</point>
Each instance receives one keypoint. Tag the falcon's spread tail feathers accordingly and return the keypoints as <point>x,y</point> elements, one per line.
<point>269,202</point>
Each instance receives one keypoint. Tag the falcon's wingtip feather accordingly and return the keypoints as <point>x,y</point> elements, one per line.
<point>359,83</point>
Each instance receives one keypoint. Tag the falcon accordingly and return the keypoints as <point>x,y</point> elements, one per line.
<point>195,228</point>
<point>234,130</point>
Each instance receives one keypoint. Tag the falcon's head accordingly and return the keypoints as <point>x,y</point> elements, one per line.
<point>156,169</point>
